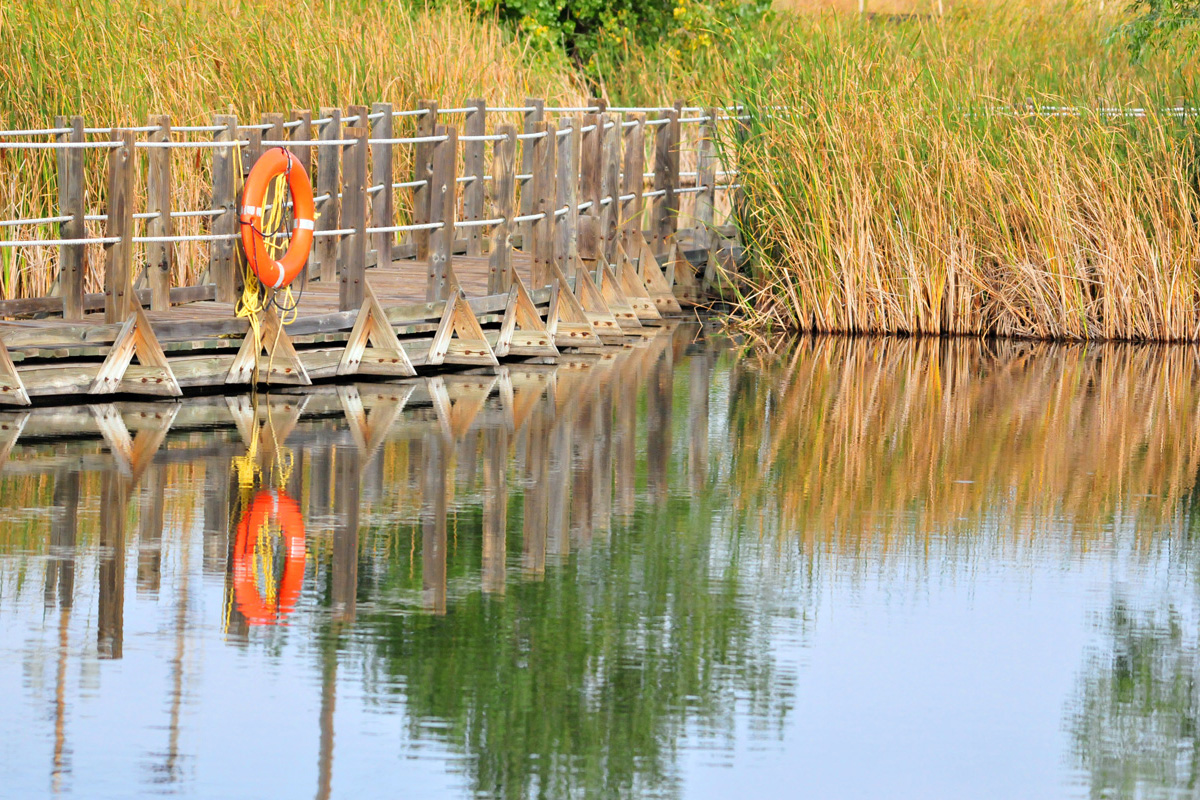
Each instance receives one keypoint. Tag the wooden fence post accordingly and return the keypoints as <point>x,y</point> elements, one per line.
<point>328,186</point>
<point>441,240</point>
<point>474,125</point>
<point>567,226</point>
<point>353,263</point>
<point>302,133</point>
<point>535,114</point>
<point>276,131</point>
<point>591,181</point>
<point>118,256</point>
<point>543,184</point>
<point>383,201</point>
<point>222,265</point>
<point>666,179</point>
<point>71,204</point>
<point>610,145</point>
<point>160,256</point>
<point>634,182</point>
<point>503,185</point>
<point>706,179</point>
<point>423,171</point>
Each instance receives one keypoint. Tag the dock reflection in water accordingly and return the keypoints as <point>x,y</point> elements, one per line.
<point>837,567</point>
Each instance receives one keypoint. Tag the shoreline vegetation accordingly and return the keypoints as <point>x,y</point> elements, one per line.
<point>896,177</point>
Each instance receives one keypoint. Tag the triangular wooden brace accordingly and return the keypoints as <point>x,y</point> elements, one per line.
<point>684,286</point>
<point>282,363</point>
<point>152,376</point>
<point>635,290</point>
<point>656,283</point>
<point>614,295</point>
<point>459,338</point>
<point>12,389</point>
<point>567,320</point>
<point>523,333</point>
<point>384,355</point>
<point>593,303</point>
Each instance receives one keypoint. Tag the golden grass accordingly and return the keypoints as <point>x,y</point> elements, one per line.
<point>118,62</point>
<point>884,199</point>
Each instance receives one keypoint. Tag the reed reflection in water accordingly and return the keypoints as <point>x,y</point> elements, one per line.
<point>688,566</point>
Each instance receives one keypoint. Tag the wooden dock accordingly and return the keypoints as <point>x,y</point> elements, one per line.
<point>475,260</point>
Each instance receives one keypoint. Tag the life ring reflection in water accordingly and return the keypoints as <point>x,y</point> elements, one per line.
<point>253,530</point>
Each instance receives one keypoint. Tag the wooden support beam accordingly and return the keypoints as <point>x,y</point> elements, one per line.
<point>503,202</point>
<point>153,377</point>
<point>706,169</point>
<point>614,295</point>
<point>12,389</point>
<point>459,338</point>
<point>118,256</point>
<point>566,246</point>
<point>591,182</point>
<point>423,171</point>
<point>282,363</point>
<point>666,179</point>
<point>71,203</point>
<point>635,291</point>
<point>594,304</point>
<point>566,320</point>
<point>610,157</point>
<point>441,281</point>
<point>329,156</point>
<point>372,348</point>
<point>522,331</point>
<point>656,283</point>
<point>222,260</point>
<point>536,113</point>
<point>544,190</point>
<point>473,167</point>
<point>160,256</point>
<point>383,201</point>
<point>352,265</point>
<point>633,181</point>
<point>302,133</point>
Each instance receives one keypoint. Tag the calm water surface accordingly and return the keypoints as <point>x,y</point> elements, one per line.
<point>836,568</point>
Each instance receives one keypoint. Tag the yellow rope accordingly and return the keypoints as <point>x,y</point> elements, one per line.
<point>253,302</point>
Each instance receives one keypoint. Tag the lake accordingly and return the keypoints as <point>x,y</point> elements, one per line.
<point>695,567</point>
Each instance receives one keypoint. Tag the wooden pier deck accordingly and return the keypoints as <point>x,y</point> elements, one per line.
<point>582,281</point>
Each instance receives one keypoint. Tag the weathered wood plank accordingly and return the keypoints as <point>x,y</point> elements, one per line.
<point>423,171</point>
<point>440,280</point>
<point>118,256</point>
<point>530,119</point>
<point>503,187</point>
<point>72,203</point>
<point>383,202</point>
<point>353,262</point>
<point>222,265</point>
<point>325,248</point>
<point>160,256</point>
<point>475,124</point>
<point>633,182</point>
<point>666,179</point>
<point>544,190</point>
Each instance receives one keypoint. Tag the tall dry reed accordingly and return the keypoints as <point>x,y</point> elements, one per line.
<point>118,62</point>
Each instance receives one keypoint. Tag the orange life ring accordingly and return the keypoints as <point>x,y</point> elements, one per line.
<point>254,607</point>
<point>273,163</point>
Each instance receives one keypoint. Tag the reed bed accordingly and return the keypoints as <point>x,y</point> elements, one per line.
<point>118,62</point>
<point>905,175</point>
